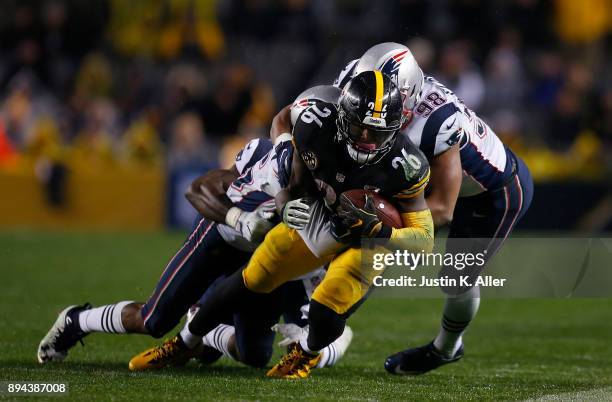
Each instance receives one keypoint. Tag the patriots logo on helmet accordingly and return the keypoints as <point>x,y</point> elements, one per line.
<point>392,65</point>
<point>304,103</point>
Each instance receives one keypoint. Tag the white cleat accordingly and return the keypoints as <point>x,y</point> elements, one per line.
<point>63,335</point>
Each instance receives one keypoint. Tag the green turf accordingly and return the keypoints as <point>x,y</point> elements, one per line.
<point>516,349</point>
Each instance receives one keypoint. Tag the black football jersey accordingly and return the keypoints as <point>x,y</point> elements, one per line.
<point>402,173</point>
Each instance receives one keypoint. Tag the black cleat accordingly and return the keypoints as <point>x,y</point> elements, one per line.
<point>419,360</point>
<point>63,335</point>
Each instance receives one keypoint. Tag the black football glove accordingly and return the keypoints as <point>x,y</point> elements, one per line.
<point>360,222</point>
<point>341,232</point>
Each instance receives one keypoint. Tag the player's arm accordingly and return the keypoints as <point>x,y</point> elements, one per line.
<point>292,202</point>
<point>445,182</point>
<point>417,231</point>
<point>281,123</point>
<point>207,193</point>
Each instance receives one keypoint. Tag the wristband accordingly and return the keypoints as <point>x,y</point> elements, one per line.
<point>282,213</point>
<point>231,218</point>
<point>384,232</point>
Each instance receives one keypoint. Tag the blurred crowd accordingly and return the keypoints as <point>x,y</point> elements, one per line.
<point>176,83</point>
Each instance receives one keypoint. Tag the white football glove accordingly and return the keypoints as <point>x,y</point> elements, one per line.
<point>291,333</point>
<point>254,225</point>
<point>296,213</point>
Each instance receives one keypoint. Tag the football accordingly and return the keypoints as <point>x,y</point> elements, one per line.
<point>385,210</point>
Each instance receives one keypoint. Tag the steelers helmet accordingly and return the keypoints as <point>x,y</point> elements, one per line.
<point>396,61</point>
<point>369,116</point>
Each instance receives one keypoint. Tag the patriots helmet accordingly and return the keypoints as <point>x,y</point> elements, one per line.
<point>325,93</point>
<point>396,61</point>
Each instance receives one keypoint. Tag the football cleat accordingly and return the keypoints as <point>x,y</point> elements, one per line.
<point>173,352</point>
<point>296,363</point>
<point>329,356</point>
<point>419,360</point>
<point>63,335</point>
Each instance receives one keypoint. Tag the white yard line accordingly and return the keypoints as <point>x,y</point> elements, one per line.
<point>597,394</point>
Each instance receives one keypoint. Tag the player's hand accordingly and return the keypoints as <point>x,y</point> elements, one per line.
<point>291,333</point>
<point>340,232</point>
<point>296,213</point>
<point>254,225</point>
<point>361,222</point>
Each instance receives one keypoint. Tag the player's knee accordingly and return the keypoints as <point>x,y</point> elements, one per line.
<point>258,280</point>
<point>154,331</point>
<point>158,328</point>
<point>257,357</point>
<point>258,277</point>
<point>267,268</point>
<point>338,293</point>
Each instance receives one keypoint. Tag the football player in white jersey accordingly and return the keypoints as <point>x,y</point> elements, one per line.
<point>478,186</point>
<point>235,207</point>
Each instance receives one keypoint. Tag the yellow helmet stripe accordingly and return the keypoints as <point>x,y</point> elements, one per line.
<point>379,94</point>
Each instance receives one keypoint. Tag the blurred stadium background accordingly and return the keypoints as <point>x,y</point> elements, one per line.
<point>109,108</point>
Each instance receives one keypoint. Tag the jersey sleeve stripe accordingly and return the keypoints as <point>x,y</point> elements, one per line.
<point>424,180</point>
<point>416,189</point>
<point>432,128</point>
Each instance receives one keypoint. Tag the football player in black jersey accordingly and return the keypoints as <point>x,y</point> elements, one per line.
<point>354,146</point>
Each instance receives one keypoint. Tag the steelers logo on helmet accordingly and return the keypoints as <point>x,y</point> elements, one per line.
<point>369,116</point>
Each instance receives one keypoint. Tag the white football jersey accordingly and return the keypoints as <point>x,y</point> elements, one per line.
<point>440,120</point>
<point>264,170</point>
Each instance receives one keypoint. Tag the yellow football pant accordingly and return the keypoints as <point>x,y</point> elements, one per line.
<point>283,256</point>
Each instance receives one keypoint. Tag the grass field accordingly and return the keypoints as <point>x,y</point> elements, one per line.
<point>515,350</point>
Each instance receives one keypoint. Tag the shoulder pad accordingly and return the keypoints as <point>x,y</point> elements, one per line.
<point>253,151</point>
